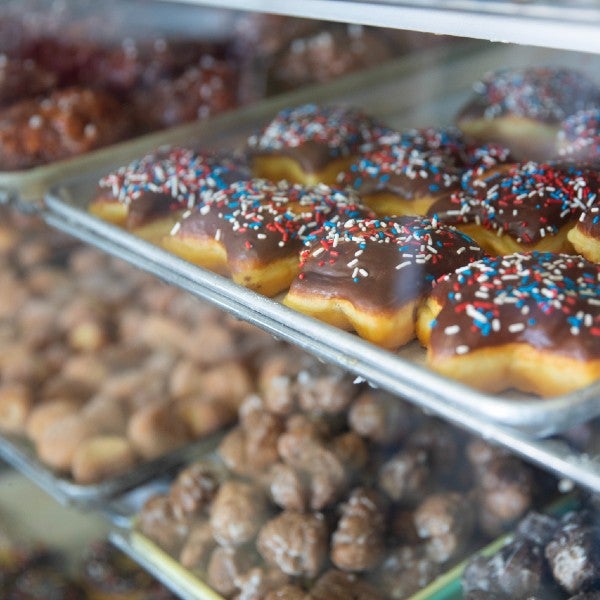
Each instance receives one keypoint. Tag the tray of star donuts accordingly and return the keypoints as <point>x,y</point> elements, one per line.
<point>451,259</point>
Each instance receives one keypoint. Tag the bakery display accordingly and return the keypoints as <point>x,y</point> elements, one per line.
<point>522,207</point>
<point>523,108</point>
<point>148,195</point>
<point>311,498</point>
<point>526,320</point>
<point>370,275</point>
<point>311,144</point>
<point>253,230</point>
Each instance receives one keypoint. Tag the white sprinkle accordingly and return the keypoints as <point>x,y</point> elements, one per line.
<point>402,265</point>
<point>516,327</point>
<point>475,314</point>
<point>462,349</point>
<point>452,330</point>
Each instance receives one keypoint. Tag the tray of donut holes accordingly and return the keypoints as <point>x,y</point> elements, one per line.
<point>308,496</point>
<point>107,376</point>
<point>397,229</point>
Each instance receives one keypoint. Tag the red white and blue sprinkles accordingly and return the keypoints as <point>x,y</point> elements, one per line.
<point>546,300</point>
<point>259,208</point>
<point>184,175</point>
<point>340,128</point>
<point>544,93</point>
<point>382,165</point>
<point>415,241</point>
<point>579,135</point>
<point>528,201</point>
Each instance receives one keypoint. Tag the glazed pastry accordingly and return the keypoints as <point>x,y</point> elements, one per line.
<point>253,231</point>
<point>66,123</point>
<point>370,274</point>
<point>529,206</point>
<point>523,108</point>
<point>203,90</point>
<point>579,136</point>
<point>528,321</point>
<point>329,52</point>
<point>311,144</point>
<point>148,195</point>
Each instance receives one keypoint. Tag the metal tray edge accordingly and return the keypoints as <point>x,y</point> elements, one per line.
<point>166,569</point>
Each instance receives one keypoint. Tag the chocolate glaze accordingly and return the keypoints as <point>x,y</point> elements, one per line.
<point>262,221</point>
<point>381,264</point>
<point>408,175</point>
<point>548,301</point>
<point>169,179</point>
<point>315,135</point>
<point>589,222</point>
<point>527,202</point>
<point>544,94</point>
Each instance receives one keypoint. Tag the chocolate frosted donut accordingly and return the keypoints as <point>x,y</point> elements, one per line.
<point>585,236</point>
<point>579,136</point>
<point>522,108</point>
<point>254,230</point>
<point>530,206</point>
<point>159,186</point>
<point>368,275</point>
<point>406,172</point>
<point>393,179</point>
<point>311,144</point>
<point>529,321</point>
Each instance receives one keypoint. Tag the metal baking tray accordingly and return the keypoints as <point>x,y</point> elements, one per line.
<point>190,587</point>
<point>21,455</point>
<point>422,90</point>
